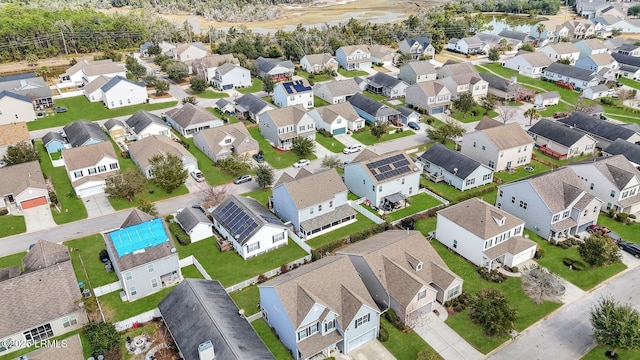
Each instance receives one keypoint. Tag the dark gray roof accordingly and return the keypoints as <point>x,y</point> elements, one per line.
<point>223,102</point>
<point>450,160</point>
<point>115,80</point>
<point>626,59</point>
<point>109,124</point>
<point>405,111</point>
<point>198,311</point>
<point>422,40</point>
<point>383,80</point>
<point>559,133</point>
<point>597,127</point>
<point>81,131</point>
<point>146,45</point>
<point>622,147</point>
<point>251,103</point>
<point>571,71</point>
<point>141,119</point>
<point>512,34</point>
<point>50,136</point>
<point>628,47</point>
<point>189,218</point>
<point>265,65</point>
<point>496,82</point>
<point>371,106</point>
<point>28,85</point>
<point>4,93</point>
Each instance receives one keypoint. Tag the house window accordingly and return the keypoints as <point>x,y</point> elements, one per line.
<point>120,102</point>
<point>150,268</point>
<point>403,181</point>
<point>453,292</point>
<point>555,218</point>
<point>38,334</point>
<point>591,186</point>
<point>488,243</point>
<point>154,283</point>
<point>380,188</point>
<point>422,294</point>
<point>523,204</point>
<point>486,177</point>
<point>308,331</point>
<point>363,320</point>
<point>69,320</point>
<point>565,214</point>
<point>471,181</point>
<point>364,182</point>
<point>329,325</point>
<point>517,231</point>
<point>330,203</point>
<point>500,193</point>
<point>484,147</point>
<point>113,166</point>
<point>474,144</point>
<point>319,207</point>
<point>277,237</point>
<point>77,174</point>
<point>92,171</point>
<point>499,205</point>
<point>253,247</point>
<point>613,193</point>
<point>311,210</point>
<point>227,141</point>
<point>128,276</point>
<point>410,190</point>
<point>102,168</point>
<point>373,187</point>
<point>492,164</point>
<point>455,244</point>
<point>595,209</point>
<point>133,291</point>
<point>513,199</point>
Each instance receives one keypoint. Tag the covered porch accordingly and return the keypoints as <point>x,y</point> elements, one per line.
<point>340,216</point>
<point>319,346</point>
<point>394,201</point>
<point>285,141</point>
<point>511,253</point>
<point>563,229</point>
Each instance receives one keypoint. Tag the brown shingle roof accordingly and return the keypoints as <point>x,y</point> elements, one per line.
<point>143,150</point>
<point>508,136</point>
<point>44,254</point>
<point>325,185</point>
<point>214,136</point>
<point>16,178</point>
<point>191,114</point>
<point>558,188</point>
<point>289,115</point>
<point>88,155</point>
<point>13,133</point>
<point>345,109</point>
<point>487,123</point>
<point>96,84</point>
<point>479,218</point>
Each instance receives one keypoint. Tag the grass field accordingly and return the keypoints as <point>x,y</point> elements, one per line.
<point>419,202</point>
<point>330,143</point>
<point>270,339</point>
<point>256,85</point>
<point>276,158</point>
<point>361,224</point>
<point>118,310</point>
<point>212,94</point>
<point>351,74</point>
<point>12,260</point>
<point>88,249</point>
<point>247,299</point>
<point>405,346</point>
<point>12,225</point>
<point>475,114</point>
<point>366,138</point>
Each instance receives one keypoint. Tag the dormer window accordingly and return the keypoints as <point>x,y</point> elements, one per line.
<point>413,262</point>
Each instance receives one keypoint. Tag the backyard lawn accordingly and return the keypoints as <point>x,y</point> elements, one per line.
<point>521,173</point>
<point>361,223</point>
<point>330,143</point>
<point>256,85</point>
<point>212,94</point>
<point>117,310</point>
<point>318,102</point>
<point>229,268</point>
<point>448,191</point>
<point>247,299</point>
<point>12,225</point>
<point>366,138</point>
<point>405,346</point>
<point>88,248</point>
<point>351,74</point>
<point>475,114</point>
<point>149,329</point>
<point>316,77</point>
<point>191,272</point>
<point>12,260</point>
<point>270,339</point>
<point>78,107</point>
<point>631,83</point>
<point>548,158</point>
<point>419,202</point>
<point>276,158</point>
<point>262,196</point>
<point>232,119</point>
<point>71,208</point>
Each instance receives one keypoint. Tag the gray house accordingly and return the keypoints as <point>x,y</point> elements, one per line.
<point>249,107</point>
<point>339,91</point>
<point>54,142</point>
<point>443,164</point>
<point>281,126</point>
<point>143,124</point>
<point>195,223</point>
<point>417,47</point>
<point>142,151</point>
<point>82,132</point>
<point>143,256</point>
<point>374,112</point>
<point>417,71</point>
<point>386,85</point>
<point>561,141</point>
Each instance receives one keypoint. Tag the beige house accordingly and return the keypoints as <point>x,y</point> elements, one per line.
<point>15,107</point>
<point>560,141</point>
<point>23,185</point>
<point>11,134</point>
<point>221,142</point>
<point>501,147</point>
<point>142,151</point>
<point>433,96</point>
<point>88,166</point>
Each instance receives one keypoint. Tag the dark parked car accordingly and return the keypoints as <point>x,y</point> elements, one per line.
<point>258,158</point>
<point>413,125</point>
<point>631,248</point>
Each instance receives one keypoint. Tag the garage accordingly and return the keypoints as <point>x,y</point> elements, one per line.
<point>28,204</point>
<point>84,192</point>
<point>339,131</point>
<point>438,110</point>
<point>362,339</point>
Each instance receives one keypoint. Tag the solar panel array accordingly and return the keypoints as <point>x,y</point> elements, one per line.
<point>237,221</point>
<point>271,219</point>
<point>389,167</point>
<point>295,86</point>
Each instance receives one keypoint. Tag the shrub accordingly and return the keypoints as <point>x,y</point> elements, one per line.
<point>622,217</point>
<point>262,278</point>
<point>384,334</point>
<point>564,245</point>
<point>284,269</point>
<point>632,216</point>
<point>103,254</point>
<point>539,253</point>
<point>179,234</point>
<point>169,218</point>
<point>391,315</point>
<point>4,212</point>
<point>515,269</point>
<point>53,197</point>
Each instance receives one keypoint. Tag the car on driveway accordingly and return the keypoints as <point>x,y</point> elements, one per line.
<point>258,158</point>
<point>242,179</point>
<point>352,149</point>
<point>597,228</point>
<point>197,175</point>
<point>300,163</point>
<point>413,125</point>
<point>631,248</point>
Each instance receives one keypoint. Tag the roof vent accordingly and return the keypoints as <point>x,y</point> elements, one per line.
<point>205,351</point>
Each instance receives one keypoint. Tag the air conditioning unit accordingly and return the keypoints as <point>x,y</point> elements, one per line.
<point>205,351</point>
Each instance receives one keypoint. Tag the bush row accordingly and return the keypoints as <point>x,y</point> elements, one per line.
<point>179,234</point>
<point>355,237</point>
<point>493,275</point>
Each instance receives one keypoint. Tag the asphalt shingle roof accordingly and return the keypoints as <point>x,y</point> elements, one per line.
<point>371,106</point>
<point>559,133</point>
<point>81,131</point>
<point>571,71</point>
<point>141,119</point>
<point>452,161</point>
<point>191,114</point>
<point>189,218</point>
<point>622,147</point>
<point>597,127</point>
<point>116,80</point>
<point>252,103</point>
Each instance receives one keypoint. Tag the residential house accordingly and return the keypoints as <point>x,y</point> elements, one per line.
<point>144,48</point>
<point>354,57</point>
<point>588,47</point>
<point>629,66</point>
<point>596,92</point>
<point>313,213</point>
<point>191,119</point>
<point>281,126</point>
<point>501,88</point>
<point>374,112</point>
<point>551,31</point>
<point>529,64</point>
<point>484,234</point>
<point>82,132</point>
<point>505,45</point>
<point>604,132</point>
<point>469,45</point>
<point>54,307</point>
<point>337,118</point>
<point>432,96</point>
<point>11,134</point>
<point>203,321</point>
<point>142,151</point>
<point>252,229</point>
<point>628,49</point>
<point>630,151</point>
<point>317,63</point>
<point>185,52</point>
<point>604,64</point>
<point>417,71</point>
<point>117,129</point>
<point>381,54</point>
<point>229,76</point>
<point>612,179</point>
<point>384,180</point>
<point>142,255</point>
<point>206,67</point>
<point>339,91</point>
<point>579,78</point>
<point>84,71</point>
<point>548,98</point>
<point>604,26</point>
<point>501,147</point>
<point>623,25</point>
<point>291,93</point>
<point>418,47</point>
<point>386,85</point>
<point>195,223</point>
<point>451,68</point>
<point>23,185</point>
<point>466,83</point>
<point>250,107</point>
<point>561,51</point>
<point>520,36</point>
<point>560,141</point>
<point>54,142</point>
<point>221,142</point>
<point>279,70</point>
<point>554,205</point>
<point>403,271</point>
<point>225,106</point>
<point>320,309</point>
<point>93,90</point>
<point>443,164</point>
<point>15,107</point>
<point>120,91</point>
<point>143,124</point>
<point>579,29</point>
<point>614,9</point>
<point>89,165</point>
<point>31,86</point>
<point>408,115</point>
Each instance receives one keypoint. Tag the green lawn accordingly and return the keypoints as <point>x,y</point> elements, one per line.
<point>117,310</point>
<point>262,196</point>
<point>405,346</point>
<point>56,155</point>
<point>528,311</point>
<point>361,224</point>
<point>352,196</point>
<point>377,97</point>
<point>546,157</point>
<point>332,144</point>
<point>247,299</point>
<point>318,102</point>
<point>631,83</point>
<point>212,94</point>
<point>81,108</point>
<point>12,225</point>
<point>426,225</point>
<point>256,85</point>
<point>598,352</point>
<point>12,260</point>
<point>448,191</point>
<point>276,158</point>
<point>366,138</point>
<point>71,208</point>
<point>229,267</point>
<point>627,232</point>
<point>521,173</point>
<point>419,202</point>
<point>585,279</point>
<point>477,110</point>
<point>231,118</point>
<point>351,74</point>
<point>88,248</point>
<point>315,77</point>
<point>270,339</point>
<point>149,329</point>
<point>191,272</point>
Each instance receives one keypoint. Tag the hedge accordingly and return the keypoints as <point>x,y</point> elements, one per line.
<point>179,234</point>
<point>317,253</point>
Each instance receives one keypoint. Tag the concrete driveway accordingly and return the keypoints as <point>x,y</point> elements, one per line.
<point>373,350</point>
<point>97,205</point>
<point>446,342</point>
<point>38,218</point>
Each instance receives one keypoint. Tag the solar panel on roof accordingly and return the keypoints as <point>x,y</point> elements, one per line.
<point>384,168</point>
<point>401,163</point>
<point>271,219</point>
<point>237,221</point>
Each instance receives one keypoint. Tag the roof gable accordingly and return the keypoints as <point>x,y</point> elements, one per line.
<point>452,161</point>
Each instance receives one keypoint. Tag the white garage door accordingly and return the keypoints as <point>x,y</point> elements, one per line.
<point>362,339</point>
<point>98,189</point>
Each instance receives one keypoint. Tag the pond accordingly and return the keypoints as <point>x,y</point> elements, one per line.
<point>498,23</point>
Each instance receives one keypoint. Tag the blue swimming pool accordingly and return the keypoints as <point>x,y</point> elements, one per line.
<point>138,237</point>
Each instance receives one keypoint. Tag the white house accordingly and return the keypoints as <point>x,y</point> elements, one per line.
<point>560,141</point>
<point>315,63</point>
<point>553,205</point>
<point>530,64</point>
<point>596,92</point>
<point>250,227</point>
<point>469,45</point>
<point>223,141</point>
<point>418,47</point>
<point>466,83</point>
<point>290,93</point>
<point>338,91</point>
<point>84,71</point>
<point>191,119</point>
<point>548,98</point>
<point>195,223</point>
<point>501,147</point>
<point>313,213</point>
<point>14,107</point>
<point>612,179</point>
<point>207,66</point>
<point>281,126</point>
<point>354,57</point>
<point>228,76</point>
<point>483,234</point>
<point>116,129</point>
<point>93,90</point>
<point>337,118</point>
<point>143,124</point>
<point>321,309</point>
<point>417,71</point>
<point>250,107</point>
<point>561,51</point>
<point>443,164</point>
<point>186,52</point>
<point>384,180</point>
<point>88,167</point>
<point>278,70</point>
<point>143,150</point>
<point>120,91</point>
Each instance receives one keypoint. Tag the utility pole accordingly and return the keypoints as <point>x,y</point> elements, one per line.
<point>64,43</point>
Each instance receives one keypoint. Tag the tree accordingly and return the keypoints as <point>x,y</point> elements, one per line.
<point>532,114</point>
<point>190,100</point>
<point>528,47</point>
<point>168,172</point>
<point>154,49</point>
<point>145,205</point>
<point>546,284</point>
<point>264,175</point>
<point>615,326</point>
<point>464,103</point>
<point>32,59</point>
<point>490,309</point>
<point>102,337</point>
<point>447,131</point>
<point>599,250</point>
<point>616,32</point>
<point>633,10</point>
<point>135,70</point>
<point>19,153</point>
<point>332,161</point>
<point>198,85</point>
<point>506,112</point>
<point>176,70</point>
<point>214,195</point>
<point>268,84</point>
<point>126,185</point>
<point>302,147</point>
<point>162,87</point>
<point>488,103</point>
<point>234,165</point>
<point>565,61</point>
<point>43,71</point>
<point>379,129</point>
<point>540,28</point>
<point>494,54</point>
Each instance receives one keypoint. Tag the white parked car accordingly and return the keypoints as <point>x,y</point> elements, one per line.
<point>352,149</point>
<point>197,175</point>
<point>300,163</point>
